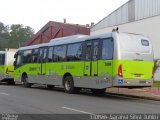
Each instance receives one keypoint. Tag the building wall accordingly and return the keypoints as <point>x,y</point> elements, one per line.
<point>146,8</point>
<point>119,16</point>
<point>133,10</point>
<point>149,27</point>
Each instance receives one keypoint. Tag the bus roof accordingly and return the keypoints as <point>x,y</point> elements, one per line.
<point>73,39</point>
<point>66,40</point>
<point>2,52</point>
<point>76,38</point>
<point>33,46</point>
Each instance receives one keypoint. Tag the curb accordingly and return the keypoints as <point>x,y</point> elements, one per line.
<point>134,96</point>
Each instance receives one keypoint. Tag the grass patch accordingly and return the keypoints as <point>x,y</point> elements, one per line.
<point>156,84</point>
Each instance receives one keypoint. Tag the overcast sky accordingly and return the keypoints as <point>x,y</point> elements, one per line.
<point>36,13</point>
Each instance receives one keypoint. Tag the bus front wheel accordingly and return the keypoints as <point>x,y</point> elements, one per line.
<point>25,81</point>
<point>69,84</point>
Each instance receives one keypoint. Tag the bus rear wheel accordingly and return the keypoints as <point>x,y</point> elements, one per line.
<point>69,84</point>
<point>25,81</point>
<point>98,91</point>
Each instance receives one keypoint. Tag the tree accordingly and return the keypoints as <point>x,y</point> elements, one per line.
<point>4,36</point>
<point>14,37</point>
<point>19,35</point>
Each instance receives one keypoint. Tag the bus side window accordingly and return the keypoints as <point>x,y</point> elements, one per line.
<point>34,55</point>
<point>50,54</point>
<point>88,50</point>
<point>107,49</point>
<point>40,55</point>
<point>59,53</point>
<point>27,56</point>
<point>0,59</point>
<point>3,59</point>
<point>74,52</point>
<point>95,50</point>
<point>44,57</point>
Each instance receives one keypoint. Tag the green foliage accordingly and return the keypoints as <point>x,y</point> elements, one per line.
<point>156,64</point>
<point>14,37</point>
<point>4,35</point>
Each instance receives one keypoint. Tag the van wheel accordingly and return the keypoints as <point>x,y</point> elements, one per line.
<point>25,81</point>
<point>69,84</point>
<point>98,91</point>
<point>50,87</point>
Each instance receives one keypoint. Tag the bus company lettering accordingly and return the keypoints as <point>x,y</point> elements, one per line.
<point>67,67</point>
<point>103,81</point>
<point>32,69</point>
<point>108,64</point>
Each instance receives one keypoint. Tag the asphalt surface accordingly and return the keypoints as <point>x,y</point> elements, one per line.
<point>39,100</point>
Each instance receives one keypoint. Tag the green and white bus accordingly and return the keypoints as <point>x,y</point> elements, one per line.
<point>6,65</point>
<point>92,62</point>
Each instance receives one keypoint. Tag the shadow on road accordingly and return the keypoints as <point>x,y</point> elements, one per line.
<point>83,92</point>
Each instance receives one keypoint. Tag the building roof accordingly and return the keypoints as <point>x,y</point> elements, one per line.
<point>55,30</point>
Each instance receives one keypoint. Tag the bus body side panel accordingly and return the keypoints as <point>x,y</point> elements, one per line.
<point>105,69</point>
<point>96,75</point>
<point>6,74</point>
<point>30,69</point>
<point>58,70</point>
<point>17,74</point>
<point>2,72</point>
<point>134,73</point>
<point>54,72</point>
<point>10,73</point>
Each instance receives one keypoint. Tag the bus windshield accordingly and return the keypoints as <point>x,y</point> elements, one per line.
<point>2,59</point>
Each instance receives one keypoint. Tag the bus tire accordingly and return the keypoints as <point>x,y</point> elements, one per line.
<point>98,91</point>
<point>69,84</point>
<point>25,81</point>
<point>50,87</point>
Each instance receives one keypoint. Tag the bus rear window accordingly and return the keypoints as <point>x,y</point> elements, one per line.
<point>134,44</point>
<point>145,42</point>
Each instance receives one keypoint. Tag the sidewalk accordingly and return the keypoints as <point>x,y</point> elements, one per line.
<point>143,93</point>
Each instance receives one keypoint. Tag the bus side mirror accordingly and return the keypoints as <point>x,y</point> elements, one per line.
<point>15,55</point>
<point>14,63</point>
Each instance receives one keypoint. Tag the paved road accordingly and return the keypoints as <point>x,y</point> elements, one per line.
<point>39,100</point>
